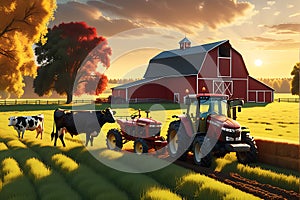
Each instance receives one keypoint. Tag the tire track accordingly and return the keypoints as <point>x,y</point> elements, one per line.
<point>264,191</point>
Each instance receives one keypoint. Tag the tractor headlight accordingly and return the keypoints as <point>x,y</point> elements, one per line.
<point>230,130</point>
<point>154,126</point>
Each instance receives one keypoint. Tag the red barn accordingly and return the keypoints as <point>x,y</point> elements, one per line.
<point>209,68</point>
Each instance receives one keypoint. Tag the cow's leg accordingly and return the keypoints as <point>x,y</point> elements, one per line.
<point>92,140</point>
<point>61,137</point>
<point>19,132</point>
<point>92,136</point>
<point>40,131</point>
<point>23,131</point>
<point>55,137</point>
<point>87,138</point>
<point>37,133</point>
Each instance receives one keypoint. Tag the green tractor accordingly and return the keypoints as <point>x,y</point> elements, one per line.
<point>209,128</point>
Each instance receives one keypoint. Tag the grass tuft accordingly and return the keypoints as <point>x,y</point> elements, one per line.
<point>64,162</point>
<point>156,193</point>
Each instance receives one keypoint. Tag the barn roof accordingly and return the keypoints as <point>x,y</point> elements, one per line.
<point>261,83</point>
<point>179,62</point>
<point>135,83</point>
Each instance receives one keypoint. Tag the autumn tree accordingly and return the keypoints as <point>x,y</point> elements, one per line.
<point>70,59</point>
<point>22,24</point>
<point>295,81</point>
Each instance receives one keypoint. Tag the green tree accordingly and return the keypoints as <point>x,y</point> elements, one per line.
<point>295,81</point>
<point>69,61</point>
<point>22,24</point>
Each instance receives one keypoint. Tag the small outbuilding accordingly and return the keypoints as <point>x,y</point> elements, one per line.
<point>210,68</point>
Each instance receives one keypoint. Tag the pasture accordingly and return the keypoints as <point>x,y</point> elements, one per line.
<point>33,169</point>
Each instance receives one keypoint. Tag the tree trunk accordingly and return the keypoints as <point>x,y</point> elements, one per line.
<point>69,98</point>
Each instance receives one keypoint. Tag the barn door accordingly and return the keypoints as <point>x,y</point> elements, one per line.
<point>223,87</point>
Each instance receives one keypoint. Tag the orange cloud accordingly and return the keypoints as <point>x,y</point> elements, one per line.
<point>75,11</point>
<point>291,28</point>
<point>274,44</point>
<point>187,16</point>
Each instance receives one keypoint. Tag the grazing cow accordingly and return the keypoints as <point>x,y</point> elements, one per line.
<point>76,122</point>
<point>31,123</point>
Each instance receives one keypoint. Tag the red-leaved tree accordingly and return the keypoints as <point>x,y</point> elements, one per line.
<point>69,61</point>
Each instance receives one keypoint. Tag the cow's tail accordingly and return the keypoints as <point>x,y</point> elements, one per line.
<point>41,118</point>
<point>53,129</point>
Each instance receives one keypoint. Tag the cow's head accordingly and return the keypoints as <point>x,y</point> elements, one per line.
<point>12,121</point>
<point>109,115</point>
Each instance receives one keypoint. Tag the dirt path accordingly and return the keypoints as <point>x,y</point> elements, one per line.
<point>264,191</point>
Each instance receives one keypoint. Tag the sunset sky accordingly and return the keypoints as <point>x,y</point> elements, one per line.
<point>266,33</point>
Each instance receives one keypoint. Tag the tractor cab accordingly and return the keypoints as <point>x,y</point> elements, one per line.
<point>203,108</point>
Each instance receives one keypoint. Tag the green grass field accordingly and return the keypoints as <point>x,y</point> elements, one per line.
<point>31,167</point>
<point>275,121</point>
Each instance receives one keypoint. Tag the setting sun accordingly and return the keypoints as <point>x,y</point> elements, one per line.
<point>258,62</point>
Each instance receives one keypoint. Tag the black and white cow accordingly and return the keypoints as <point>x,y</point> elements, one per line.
<point>23,123</point>
<point>76,122</point>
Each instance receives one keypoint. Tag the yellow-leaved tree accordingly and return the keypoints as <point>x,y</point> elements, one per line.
<point>22,24</point>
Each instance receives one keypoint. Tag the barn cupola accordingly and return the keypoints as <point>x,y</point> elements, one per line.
<point>185,43</point>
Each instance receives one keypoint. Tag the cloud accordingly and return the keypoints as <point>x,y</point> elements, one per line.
<point>282,46</point>
<point>266,8</point>
<point>75,11</point>
<point>274,44</point>
<point>264,39</point>
<point>276,13</point>
<point>111,17</point>
<point>289,28</point>
<point>290,6</point>
<point>183,15</point>
<point>271,3</point>
<point>295,15</point>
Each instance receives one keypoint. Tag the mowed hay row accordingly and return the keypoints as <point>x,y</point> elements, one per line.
<point>134,184</point>
<point>14,184</point>
<point>288,182</point>
<point>46,180</point>
<point>88,183</point>
<point>197,186</point>
<point>279,154</point>
<point>170,175</point>
<point>191,185</point>
<point>39,174</point>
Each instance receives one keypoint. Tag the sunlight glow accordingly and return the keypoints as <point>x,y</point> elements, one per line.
<point>258,62</point>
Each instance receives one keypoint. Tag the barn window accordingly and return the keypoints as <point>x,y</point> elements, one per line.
<point>224,51</point>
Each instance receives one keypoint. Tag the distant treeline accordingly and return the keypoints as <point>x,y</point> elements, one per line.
<point>280,85</point>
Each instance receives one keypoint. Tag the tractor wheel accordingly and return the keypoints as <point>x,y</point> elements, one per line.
<point>114,140</point>
<point>201,156</point>
<point>140,146</point>
<point>178,141</point>
<point>248,156</point>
